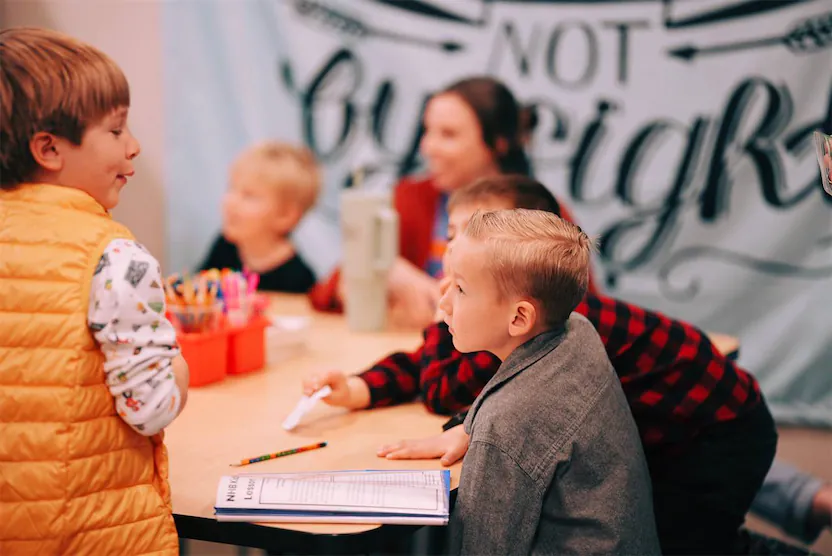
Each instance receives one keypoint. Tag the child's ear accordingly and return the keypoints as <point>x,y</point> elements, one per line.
<point>46,151</point>
<point>523,320</point>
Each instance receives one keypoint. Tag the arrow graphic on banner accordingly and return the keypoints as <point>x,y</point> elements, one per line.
<point>722,14</point>
<point>448,11</point>
<point>807,36</point>
<point>350,25</point>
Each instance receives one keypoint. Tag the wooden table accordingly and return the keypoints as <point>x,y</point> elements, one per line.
<point>241,417</point>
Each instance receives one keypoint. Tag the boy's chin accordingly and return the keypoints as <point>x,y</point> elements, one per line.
<point>462,347</point>
<point>231,235</point>
<point>110,200</point>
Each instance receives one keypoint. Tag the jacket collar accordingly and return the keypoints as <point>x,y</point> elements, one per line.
<point>519,360</point>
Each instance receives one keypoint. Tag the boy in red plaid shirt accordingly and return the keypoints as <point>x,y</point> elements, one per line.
<point>706,430</point>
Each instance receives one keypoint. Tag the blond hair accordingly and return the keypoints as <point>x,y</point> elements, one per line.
<point>537,254</point>
<point>53,83</point>
<point>290,169</point>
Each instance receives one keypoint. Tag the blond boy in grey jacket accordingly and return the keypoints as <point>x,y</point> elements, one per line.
<point>543,474</point>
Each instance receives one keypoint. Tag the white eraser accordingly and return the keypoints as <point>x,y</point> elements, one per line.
<point>305,405</point>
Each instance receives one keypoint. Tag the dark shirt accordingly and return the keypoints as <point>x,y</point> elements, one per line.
<point>293,276</point>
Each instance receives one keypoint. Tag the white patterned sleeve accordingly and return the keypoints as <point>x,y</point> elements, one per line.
<point>127,317</point>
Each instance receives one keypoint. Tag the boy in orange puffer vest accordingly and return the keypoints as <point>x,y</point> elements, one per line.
<point>90,371</point>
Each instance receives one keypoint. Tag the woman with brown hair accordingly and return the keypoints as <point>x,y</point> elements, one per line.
<point>473,129</point>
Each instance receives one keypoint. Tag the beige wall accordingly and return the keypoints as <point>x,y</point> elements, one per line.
<point>129,31</point>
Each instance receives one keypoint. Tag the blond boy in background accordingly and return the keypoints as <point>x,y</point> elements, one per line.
<point>272,185</point>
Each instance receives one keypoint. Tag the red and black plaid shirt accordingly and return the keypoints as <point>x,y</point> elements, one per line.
<point>674,378</point>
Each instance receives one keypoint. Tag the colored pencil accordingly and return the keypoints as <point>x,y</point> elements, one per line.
<point>280,454</point>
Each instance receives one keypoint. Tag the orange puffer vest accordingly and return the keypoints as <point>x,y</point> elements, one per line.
<point>74,478</point>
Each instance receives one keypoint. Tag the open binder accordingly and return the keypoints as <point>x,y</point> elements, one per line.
<point>404,497</point>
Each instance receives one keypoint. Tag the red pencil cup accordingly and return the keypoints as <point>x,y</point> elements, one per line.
<point>204,341</point>
<point>206,354</point>
<point>247,346</point>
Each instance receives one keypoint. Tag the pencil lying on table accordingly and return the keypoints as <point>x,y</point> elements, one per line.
<point>280,454</point>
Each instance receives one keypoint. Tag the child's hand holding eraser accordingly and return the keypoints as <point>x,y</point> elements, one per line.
<point>347,391</point>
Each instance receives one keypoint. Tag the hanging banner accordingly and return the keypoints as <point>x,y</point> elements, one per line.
<point>678,132</point>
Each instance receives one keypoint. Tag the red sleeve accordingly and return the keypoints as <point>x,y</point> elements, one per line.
<point>415,201</point>
<point>674,378</point>
<point>324,295</point>
<point>450,380</point>
<point>394,379</point>
<point>447,379</point>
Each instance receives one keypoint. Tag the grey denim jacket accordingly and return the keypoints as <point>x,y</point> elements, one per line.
<point>554,464</point>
